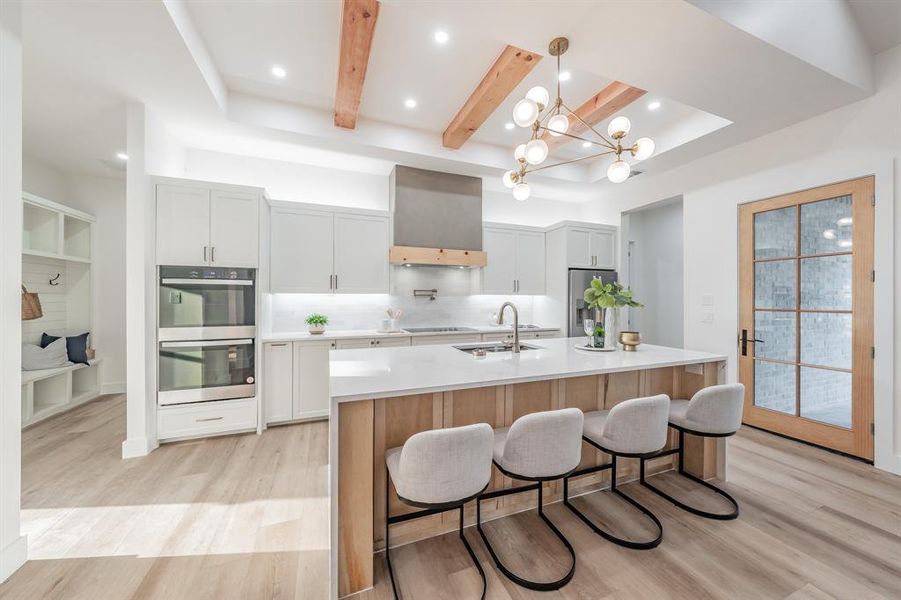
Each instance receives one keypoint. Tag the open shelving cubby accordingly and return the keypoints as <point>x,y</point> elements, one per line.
<point>56,264</point>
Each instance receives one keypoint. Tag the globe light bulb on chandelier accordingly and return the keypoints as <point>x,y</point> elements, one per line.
<point>553,123</point>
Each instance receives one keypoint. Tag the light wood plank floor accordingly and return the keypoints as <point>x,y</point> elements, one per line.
<point>246,517</point>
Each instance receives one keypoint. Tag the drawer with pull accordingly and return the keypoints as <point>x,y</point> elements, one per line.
<point>206,418</point>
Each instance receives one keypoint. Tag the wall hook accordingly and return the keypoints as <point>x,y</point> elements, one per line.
<point>53,279</point>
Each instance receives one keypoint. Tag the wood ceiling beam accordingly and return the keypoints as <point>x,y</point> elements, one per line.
<point>510,68</point>
<point>357,29</point>
<point>602,105</point>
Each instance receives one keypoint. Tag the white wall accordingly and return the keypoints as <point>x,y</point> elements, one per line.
<point>13,545</point>
<point>298,182</point>
<point>656,273</point>
<point>105,199</point>
<point>856,140</point>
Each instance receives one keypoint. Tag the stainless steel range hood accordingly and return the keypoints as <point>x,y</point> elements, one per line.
<point>437,218</point>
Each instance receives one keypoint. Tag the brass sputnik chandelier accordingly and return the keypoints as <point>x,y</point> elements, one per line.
<point>536,112</point>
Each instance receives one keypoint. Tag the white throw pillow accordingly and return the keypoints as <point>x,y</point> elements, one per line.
<point>35,358</point>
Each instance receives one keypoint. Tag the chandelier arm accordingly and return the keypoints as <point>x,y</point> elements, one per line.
<point>576,137</point>
<point>567,162</point>
<point>582,121</point>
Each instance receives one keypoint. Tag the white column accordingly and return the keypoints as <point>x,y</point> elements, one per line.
<point>139,278</point>
<point>13,548</point>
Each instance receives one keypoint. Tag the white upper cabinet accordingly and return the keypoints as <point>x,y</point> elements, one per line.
<point>301,253</point>
<point>591,247</point>
<point>530,262</point>
<point>234,223</point>
<point>182,225</point>
<point>603,247</point>
<point>361,254</point>
<point>515,261</point>
<point>200,226</point>
<point>499,275</point>
<point>578,247</point>
<point>320,251</point>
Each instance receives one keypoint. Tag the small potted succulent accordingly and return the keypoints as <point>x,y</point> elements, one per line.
<point>316,323</point>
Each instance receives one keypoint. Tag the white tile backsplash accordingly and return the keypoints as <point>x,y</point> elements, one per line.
<point>458,303</point>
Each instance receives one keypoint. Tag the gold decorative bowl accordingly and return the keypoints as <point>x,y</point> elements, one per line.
<point>629,340</point>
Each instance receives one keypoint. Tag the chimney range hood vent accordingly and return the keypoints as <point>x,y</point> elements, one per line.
<point>437,218</point>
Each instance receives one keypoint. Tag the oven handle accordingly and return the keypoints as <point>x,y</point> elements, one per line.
<point>168,281</point>
<point>204,343</point>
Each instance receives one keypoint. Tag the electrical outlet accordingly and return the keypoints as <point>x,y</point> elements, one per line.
<point>707,317</point>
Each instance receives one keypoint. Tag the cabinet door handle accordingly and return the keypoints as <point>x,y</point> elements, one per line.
<point>336,281</point>
<point>204,253</point>
<point>278,345</point>
<point>212,254</point>
<point>209,419</point>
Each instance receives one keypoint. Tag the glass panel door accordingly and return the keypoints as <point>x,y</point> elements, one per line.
<point>806,314</point>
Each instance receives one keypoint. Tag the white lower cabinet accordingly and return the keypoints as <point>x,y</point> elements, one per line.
<point>295,384</point>
<point>206,418</point>
<point>278,382</point>
<point>311,372</point>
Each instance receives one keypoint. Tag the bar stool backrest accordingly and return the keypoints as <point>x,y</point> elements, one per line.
<point>445,465</point>
<point>637,426</point>
<point>544,444</point>
<point>717,409</point>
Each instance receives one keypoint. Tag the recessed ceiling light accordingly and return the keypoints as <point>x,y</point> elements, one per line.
<point>509,126</point>
<point>654,105</point>
<point>564,76</point>
<point>121,156</point>
<point>441,37</point>
<point>279,72</point>
<point>410,103</point>
<point>586,144</point>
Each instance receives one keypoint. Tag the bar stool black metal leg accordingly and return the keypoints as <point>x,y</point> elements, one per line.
<point>606,534</point>
<point>387,541</point>
<point>540,586</point>
<point>472,555</point>
<point>733,514</point>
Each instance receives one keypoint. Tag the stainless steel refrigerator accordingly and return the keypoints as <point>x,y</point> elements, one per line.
<point>579,280</point>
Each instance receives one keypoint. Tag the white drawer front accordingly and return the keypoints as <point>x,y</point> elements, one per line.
<point>207,418</point>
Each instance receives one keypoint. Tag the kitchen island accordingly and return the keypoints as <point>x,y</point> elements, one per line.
<point>379,398</point>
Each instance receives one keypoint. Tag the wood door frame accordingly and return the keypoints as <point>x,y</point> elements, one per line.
<point>858,441</point>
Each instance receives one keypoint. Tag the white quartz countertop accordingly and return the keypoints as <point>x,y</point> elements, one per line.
<point>387,372</point>
<point>297,336</point>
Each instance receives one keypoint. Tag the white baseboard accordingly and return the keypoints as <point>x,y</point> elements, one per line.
<point>135,448</point>
<point>112,388</point>
<point>12,557</point>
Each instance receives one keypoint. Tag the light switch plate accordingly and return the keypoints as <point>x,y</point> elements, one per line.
<point>707,317</point>
<point>707,300</point>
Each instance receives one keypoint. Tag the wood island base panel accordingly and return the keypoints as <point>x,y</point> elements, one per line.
<point>366,428</point>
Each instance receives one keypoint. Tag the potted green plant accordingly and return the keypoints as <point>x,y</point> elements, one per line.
<point>316,323</point>
<point>607,299</point>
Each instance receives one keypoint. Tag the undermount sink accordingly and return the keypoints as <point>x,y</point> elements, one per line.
<point>493,348</point>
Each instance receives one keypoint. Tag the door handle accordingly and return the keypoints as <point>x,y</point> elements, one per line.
<point>743,339</point>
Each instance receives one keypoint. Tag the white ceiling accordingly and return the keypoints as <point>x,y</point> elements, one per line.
<point>717,83</point>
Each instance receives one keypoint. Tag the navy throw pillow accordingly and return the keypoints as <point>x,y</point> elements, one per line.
<point>76,346</point>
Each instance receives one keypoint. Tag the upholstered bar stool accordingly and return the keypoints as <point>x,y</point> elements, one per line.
<point>714,411</point>
<point>538,447</point>
<point>439,470</point>
<point>635,429</point>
